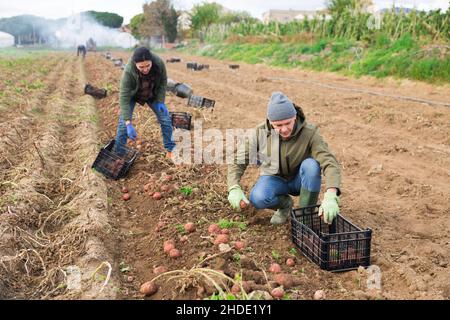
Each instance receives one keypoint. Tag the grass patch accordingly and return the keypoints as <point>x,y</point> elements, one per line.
<point>379,56</point>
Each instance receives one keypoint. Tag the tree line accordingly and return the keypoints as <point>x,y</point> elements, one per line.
<point>29,29</point>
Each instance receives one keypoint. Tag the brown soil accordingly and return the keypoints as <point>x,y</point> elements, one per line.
<point>394,155</point>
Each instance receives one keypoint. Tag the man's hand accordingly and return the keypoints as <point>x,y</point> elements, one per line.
<point>235,196</point>
<point>329,207</point>
<point>161,108</point>
<point>131,132</point>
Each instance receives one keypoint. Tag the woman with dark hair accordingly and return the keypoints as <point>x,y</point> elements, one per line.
<point>144,80</point>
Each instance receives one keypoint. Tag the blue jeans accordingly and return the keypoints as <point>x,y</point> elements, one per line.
<point>166,129</point>
<point>265,192</point>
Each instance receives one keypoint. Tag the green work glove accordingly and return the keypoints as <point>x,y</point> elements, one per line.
<point>329,207</point>
<point>235,196</point>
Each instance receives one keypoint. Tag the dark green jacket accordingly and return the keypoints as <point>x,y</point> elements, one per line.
<point>305,142</point>
<point>129,85</point>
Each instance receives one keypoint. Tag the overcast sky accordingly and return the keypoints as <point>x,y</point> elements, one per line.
<point>129,8</point>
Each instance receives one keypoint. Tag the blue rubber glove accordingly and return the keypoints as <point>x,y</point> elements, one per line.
<point>330,207</point>
<point>131,132</point>
<point>161,108</point>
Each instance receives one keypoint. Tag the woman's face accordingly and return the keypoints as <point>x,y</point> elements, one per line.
<point>144,66</point>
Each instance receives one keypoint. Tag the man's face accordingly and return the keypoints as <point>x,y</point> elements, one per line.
<point>284,127</point>
<point>144,66</point>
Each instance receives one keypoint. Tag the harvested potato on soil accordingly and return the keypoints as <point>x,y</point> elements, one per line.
<point>222,238</point>
<point>174,253</point>
<point>284,280</point>
<point>189,227</point>
<point>214,229</point>
<point>168,245</point>
<point>277,293</point>
<point>290,262</point>
<point>239,245</point>
<point>157,195</point>
<point>275,268</point>
<point>319,295</point>
<point>149,288</point>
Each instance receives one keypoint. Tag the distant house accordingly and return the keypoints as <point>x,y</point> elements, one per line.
<point>284,16</point>
<point>6,40</point>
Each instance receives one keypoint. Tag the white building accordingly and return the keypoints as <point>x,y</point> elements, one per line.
<point>284,16</point>
<point>6,39</point>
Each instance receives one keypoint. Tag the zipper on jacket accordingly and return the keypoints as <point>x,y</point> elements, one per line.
<point>279,156</point>
<point>288,166</point>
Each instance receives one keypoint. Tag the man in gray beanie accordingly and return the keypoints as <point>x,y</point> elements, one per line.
<point>291,164</point>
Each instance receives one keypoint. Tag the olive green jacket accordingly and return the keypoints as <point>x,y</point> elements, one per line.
<point>129,85</point>
<point>305,142</point>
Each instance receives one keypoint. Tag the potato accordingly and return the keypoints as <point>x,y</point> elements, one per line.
<point>149,288</point>
<point>277,293</point>
<point>168,245</point>
<point>290,262</point>
<point>157,196</point>
<point>168,178</point>
<point>239,245</point>
<point>319,295</point>
<point>284,280</point>
<point>242,204</point>
<point>147,187</point>
<point>222,238</point>
<point>236,288</point>
<point>130,279</point>
<point>189,227</point>
<point>214,229</point>
<point>126,196</point>
<point>159,270</point>
<point>124,190</point>
<point>174,253</point>
<point>275,268</point>
<point>225,231</point>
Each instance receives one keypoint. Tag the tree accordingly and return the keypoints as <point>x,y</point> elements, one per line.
<point>337,7</point>
<point>170,23</point>
<point>237,17</point>
<point>160,18</point>
<point>107,19</point>
<point>135,24</point>
<point>204,15</point>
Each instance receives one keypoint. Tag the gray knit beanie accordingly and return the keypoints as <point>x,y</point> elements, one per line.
<point>280,107</point>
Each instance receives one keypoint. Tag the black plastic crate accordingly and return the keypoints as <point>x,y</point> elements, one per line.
<point>113,166</point>
<point>97,93</point>
<point>197,66</point>
<point>191,65</point>
<point>173,60</point>
<point>201,102</point>
<point>340,246</point>
<point>181,120</point>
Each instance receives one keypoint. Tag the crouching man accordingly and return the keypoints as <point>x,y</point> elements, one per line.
<point>292,156</point>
